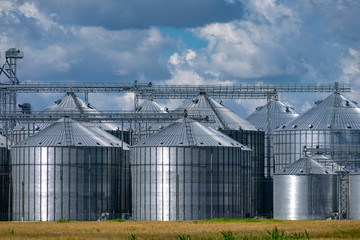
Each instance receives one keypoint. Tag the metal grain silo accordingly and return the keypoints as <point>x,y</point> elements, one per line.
<point>354,195</point>
<point>69,171</point>
<point>268,118</point>
<point>276,114</point>
<point>4,180</point>
<point>222,119</point>
<point>305,190</point>
<point>189,171</point>
<point>332,124</point>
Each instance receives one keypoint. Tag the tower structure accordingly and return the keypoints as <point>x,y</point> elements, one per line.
<point>8,96</point>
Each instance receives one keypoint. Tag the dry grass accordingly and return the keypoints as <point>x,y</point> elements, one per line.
<point>171,230</point>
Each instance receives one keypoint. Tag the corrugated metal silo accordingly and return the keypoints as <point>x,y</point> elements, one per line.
<point>332,124</point>
<point>69,171</point>
<point>279,114</point>
<point>354,196</point>
<point>268,118</point>
<point>305,190</point>
<point>4,180</point>
<point>222,119</point>
<point>189,171</point>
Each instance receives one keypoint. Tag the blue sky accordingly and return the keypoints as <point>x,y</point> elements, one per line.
<point>184,42</point>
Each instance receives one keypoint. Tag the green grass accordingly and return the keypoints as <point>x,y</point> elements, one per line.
<point>275,234</point>
<point>116,220</point>
<point>62,221</point>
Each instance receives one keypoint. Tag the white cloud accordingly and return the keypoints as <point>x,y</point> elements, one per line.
<point>184,70</point>
<point>30,10</point>
<point>274,41</point>
<point>112,101</point>
<point>7,11</point>
<point>254,47</point>
<point>350,65</point>
<point>186,77</point>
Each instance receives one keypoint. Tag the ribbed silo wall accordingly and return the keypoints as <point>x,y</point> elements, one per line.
<point>354,196</point>
<point>70,183</point>
<point>4,184</point>
<point>20,135</point>
<point>256,141</point>
<point>288,144</point>
<point>305,197</point>
<point>190,183</point>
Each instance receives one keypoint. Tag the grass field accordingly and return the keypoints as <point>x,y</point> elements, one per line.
<point>213,229</point>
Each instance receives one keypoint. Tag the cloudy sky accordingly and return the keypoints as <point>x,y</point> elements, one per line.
<point>184,42</point>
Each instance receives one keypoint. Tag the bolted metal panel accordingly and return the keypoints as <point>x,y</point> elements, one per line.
<point>4,180</point>
<point>187,132</point>
<point>279,114</point>
<point>188,183</point>
<point>354,196</point>
<point>305,190</point>
<point>255,141</point>
<point>300,197</point>
<point>189,171</point>
<point>339,144</point>
<point>72,172</point>
<point>150,106</point>
<point>219,116</point>
<point>242,131</point>
<point>67,132</point>
<point>332,124</point>
<point>72,183</point>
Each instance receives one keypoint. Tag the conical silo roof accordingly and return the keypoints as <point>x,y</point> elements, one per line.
<point>219,116</point>
<point>327,162</point>
<point>305,166</point>
<point>150,106</point>
<point>67,132</point>
<point>187,132</point>
<point>334,112</point>
<point>70,103</point>
<point>104,134</point>
<point>280,114</point>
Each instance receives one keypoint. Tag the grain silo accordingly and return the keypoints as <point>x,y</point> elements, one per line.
<point>69,171</point>
<point>305,190</point>
<point>187,171</point>
<point>4,180</point>
<point>354,195</point>
<point>333,125</point>
<point>267,118</point>
<point>222,119</point>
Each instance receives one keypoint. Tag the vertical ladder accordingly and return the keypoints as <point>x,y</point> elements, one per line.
<point>189,133</point>
<point>68,136</point>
